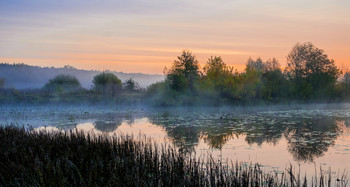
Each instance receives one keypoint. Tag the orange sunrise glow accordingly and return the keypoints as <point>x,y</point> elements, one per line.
<point>145,37</point>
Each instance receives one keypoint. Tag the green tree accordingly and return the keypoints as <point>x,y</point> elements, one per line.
<point>184,72</point>
<point>216,68</point>
<point>275,84</point>
<point>63,84</point>
<point>218,79</point>
<point>312,73</point>
<point>252,79</point>
<point>344,85</point>
<point>257,65</point>
<point>264,80</point>
<point>252,84</point>
<point>107,83</point>
<point>159,94</point>
<point>130,85</point>
<point>346,80</point>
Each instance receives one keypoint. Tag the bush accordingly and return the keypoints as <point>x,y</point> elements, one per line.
<point>63,84</point>
<point>107,84</point>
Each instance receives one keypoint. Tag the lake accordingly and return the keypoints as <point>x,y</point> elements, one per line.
<point>308,137</point>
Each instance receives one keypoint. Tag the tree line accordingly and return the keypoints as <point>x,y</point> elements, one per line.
<point>105,83</point>
<point>106,86</point>
<point>309,76</point>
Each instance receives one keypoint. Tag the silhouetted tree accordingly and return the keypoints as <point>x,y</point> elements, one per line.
<point>107,83</point>
<point>264,80</point>
<point>275,84</point>
<point>183,73</point>
<point>343,86</point>
<point>257,65</point>
<point>346,80</point>
<point>252,79</point>
<point>312,73</point>
<point>130,85</point>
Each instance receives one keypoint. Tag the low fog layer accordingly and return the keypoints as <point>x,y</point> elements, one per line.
<point>21,76</point>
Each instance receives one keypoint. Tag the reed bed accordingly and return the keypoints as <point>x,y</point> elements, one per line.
<point>74,158</point>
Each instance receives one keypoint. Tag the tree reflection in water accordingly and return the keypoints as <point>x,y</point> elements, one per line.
<point>308,135</point>
<point>311,138</point>
<point>105,126</point>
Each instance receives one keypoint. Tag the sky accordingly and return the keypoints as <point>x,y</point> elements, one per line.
<point>147,35</point>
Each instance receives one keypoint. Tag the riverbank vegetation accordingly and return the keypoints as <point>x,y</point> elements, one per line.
<point>310,76</point>
<point>41,158</point>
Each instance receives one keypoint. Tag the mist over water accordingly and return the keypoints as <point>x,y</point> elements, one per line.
<point>308,136</point>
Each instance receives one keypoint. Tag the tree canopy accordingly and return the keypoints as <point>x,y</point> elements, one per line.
<point>310,70</point>
<point>309,76</point>
<point>130,85</point>
<point>107,83</point>
<point>184,72</point>
<point>62,84</point>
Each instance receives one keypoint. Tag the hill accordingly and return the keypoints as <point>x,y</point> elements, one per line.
<point>22,76</point>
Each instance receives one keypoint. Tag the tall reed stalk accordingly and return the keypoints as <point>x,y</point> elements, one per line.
<point>74,158</point>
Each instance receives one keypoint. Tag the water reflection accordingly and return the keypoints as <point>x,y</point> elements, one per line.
<point>272,138</point>
<point>311,138</point>
<point>303,135</point>
<point>308,135</point>
<point>104,126</point>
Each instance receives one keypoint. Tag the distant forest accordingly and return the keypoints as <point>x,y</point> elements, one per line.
<point>22,76</point>
<point>310,76</point>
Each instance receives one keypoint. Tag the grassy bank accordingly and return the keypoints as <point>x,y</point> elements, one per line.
<point>32,158</point>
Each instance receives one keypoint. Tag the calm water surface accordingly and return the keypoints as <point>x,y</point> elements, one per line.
<point>305,137</point>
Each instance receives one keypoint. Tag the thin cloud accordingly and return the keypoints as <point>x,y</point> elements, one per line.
<point>141,30</point>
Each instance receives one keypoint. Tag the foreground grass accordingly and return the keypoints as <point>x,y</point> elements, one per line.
<point>33,158</point>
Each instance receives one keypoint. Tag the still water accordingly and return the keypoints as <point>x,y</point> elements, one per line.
<point>307,138</point>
